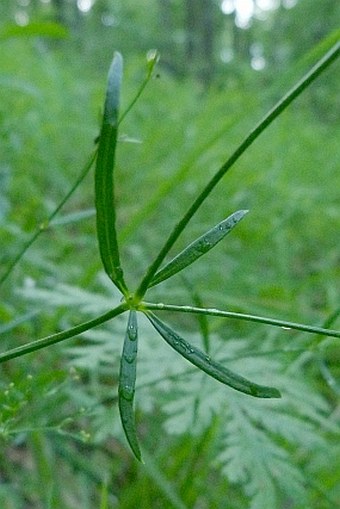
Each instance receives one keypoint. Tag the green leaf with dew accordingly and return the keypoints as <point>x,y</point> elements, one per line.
<point>284,324</point>
<point>272,114</point>
<point>198,247</point>
<point>127,382</point>
<point>152,60</point>
<point>209,366</point>
<point>104,181</point>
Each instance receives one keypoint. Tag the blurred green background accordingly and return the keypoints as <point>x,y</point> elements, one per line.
<point>223,65</point>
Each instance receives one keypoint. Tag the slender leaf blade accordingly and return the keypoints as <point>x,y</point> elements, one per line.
<point>104,181</point>
<point>127,382</point>
<point>284,324</point>
<point>209,366</point>
<point>198,247</point>
<point>272,114</point>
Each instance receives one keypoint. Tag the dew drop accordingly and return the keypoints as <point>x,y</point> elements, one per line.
<point>160,305</point>
<point>127,392</point>
<point>286,328</point>
<point>132,332</point>
<point>130,357</point>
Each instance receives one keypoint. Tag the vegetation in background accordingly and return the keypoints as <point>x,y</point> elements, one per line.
<point>61,440</point>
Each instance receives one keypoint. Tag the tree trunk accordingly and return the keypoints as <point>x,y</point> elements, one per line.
<point>200,38</point>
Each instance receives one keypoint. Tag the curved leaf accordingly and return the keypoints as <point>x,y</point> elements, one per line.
<point>199,247</point>
<point>104,182</point>
<point>211,367</point>
<point>127,382</point>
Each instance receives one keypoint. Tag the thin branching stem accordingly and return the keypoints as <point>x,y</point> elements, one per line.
<point>286,100</point>
<point>45,224</point>
<point>152,61</point>
<point>241,316</point>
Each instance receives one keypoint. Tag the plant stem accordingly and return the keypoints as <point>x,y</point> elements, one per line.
<point>286,100</point>
<point>240,316</point>
<point>45,224</point>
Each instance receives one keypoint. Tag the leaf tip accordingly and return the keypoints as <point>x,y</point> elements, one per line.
<point>240,214</point>
<point>268,392</point>
<point>113,90</point>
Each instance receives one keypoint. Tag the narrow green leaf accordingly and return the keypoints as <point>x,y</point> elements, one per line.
<point>167,488</point>
<point>276,111</point>
<point>284,324</point>
<point>127,382</point>
<point>198,247</point>
<point>211,367</point>
<point>104,181</point>
<point>61,336</point>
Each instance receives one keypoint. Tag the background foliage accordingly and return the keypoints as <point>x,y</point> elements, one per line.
<point>204,445</point>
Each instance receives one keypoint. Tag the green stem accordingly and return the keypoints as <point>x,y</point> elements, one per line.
<point>286,100</point>
<point>240,316</point>
<point>45,224</point>
<point>46,483</point>
<point>61,336</point>
<point>151,66</point>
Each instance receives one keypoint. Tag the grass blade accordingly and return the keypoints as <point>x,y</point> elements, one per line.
<point>198,247</point>
<point>127,382</point>
<point>209,366</point>
<point>61,336</point>
<point>286,100</point>
<point>155,471</point>
<point>104,182</point>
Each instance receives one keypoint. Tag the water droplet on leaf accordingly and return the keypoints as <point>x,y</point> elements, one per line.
<point>132,332</point>
<point>127,392</point>
<point>130,357</point>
